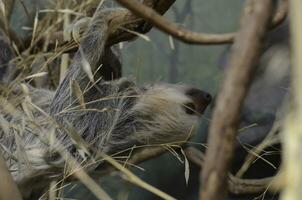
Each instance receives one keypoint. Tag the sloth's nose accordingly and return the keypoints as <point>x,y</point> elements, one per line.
<point>201,99</point>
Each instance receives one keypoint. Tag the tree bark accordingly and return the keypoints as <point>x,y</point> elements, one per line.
<point>241,67</point>
<point>291,174</point>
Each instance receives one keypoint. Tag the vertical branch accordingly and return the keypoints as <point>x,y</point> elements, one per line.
<point>223,129</point>
<point>9,5</point>
<point>292,138</point>
<point>5,14</point>
<point>8,189</point>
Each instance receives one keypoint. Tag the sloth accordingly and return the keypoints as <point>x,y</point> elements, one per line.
<point>108,115</point>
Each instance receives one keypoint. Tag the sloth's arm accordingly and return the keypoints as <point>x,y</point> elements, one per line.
<point>91,56</point>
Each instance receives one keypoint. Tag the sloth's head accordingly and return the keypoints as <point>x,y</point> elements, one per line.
<point>155,114</point>
<point>168,112</point>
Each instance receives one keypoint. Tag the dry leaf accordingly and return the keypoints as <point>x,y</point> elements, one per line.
<point>187,168</point>
<point>77,93</point>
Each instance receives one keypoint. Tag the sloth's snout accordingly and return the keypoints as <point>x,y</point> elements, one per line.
<point>200,100</point>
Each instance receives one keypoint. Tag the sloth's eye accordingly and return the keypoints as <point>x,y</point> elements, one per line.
<point>189,108</point>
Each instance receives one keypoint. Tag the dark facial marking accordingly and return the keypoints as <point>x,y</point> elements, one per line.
<point>200,100</point>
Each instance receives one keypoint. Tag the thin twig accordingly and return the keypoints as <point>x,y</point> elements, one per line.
<point>186,35</point>
<point>235,185</point>
<point>270,140</point>
<point>141,155</point>
<point>173,29</point>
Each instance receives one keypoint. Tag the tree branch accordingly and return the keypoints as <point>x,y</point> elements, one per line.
<point>292,132</point>
<point>173,29</point>
<point>189,36</point>
<point>241,67</point>
<point>235,185</point>
<point>9,5</point>
<point>123,23</point>
<point>4,22</point>
<point>147,14</point>
<point>139,156</point>
<point>128,21</point>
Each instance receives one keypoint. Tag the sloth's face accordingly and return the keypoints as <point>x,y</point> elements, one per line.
<point>171,111</point>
